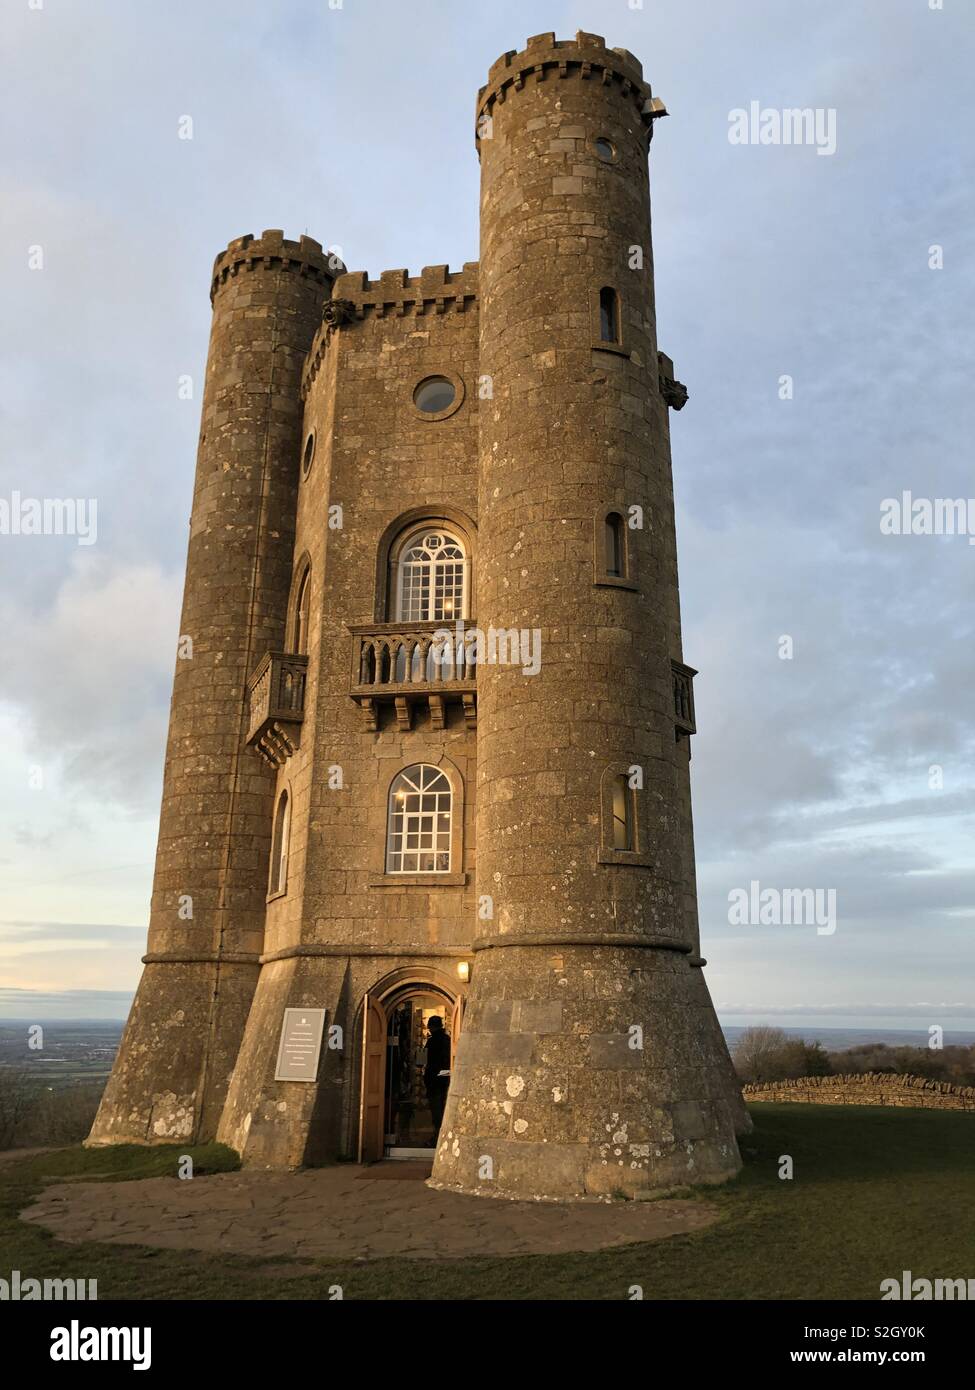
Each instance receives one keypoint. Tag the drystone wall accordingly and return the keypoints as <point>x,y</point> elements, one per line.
<point>871,1088</point>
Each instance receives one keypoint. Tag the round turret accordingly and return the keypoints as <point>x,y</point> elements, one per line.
<point>208,903</point>
<point>583,1067</point>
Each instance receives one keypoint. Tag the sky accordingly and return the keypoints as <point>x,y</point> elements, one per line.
<point>353,122</point>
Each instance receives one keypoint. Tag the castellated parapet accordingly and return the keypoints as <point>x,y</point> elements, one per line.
<point>436,290</point>
<point>272,251</point>
<point>586,57</point>
<point>372,824</point>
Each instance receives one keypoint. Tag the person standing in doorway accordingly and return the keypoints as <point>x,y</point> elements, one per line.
<point>438,1060</point>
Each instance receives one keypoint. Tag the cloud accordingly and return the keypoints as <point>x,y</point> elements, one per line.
<point>93,673</point>
<point>807,772</point>
<point>57,957</point>
<point>38,1005</point>
<point>865,1008</point>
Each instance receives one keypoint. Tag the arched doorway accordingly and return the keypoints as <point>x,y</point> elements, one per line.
<point>395,1120</point>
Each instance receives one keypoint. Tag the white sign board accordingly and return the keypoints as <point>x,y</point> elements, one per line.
<point>300,1045</point>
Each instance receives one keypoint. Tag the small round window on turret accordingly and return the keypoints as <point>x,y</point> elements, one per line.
<point>308,455</point>
<point>605,149</point>
<point>434,394</point>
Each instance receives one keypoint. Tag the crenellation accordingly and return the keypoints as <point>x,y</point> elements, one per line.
<point>345,794</point>
<point>585,55</point>
<point>395,294</point>
<point>271,250</point>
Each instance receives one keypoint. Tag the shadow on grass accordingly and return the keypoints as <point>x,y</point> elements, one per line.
<point>127,1162</point>
<point>874,1192</point>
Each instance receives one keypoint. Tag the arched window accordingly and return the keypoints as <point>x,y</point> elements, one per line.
<point>302,607</point>
<point>609,315</point>
<point>419,822</point>
<point>622,813</point>
<point>278,876</point>
<point>308,455</point>
<point>431,570</point>
<point>622,833</point>
<point>615,544</point>
<point>612,557</point>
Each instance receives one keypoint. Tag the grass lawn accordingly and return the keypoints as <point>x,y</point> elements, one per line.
<point>876,1191</point>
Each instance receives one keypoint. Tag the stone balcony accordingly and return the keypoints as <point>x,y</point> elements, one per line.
<point>683,677</point>
<point>276,695</point>
<point>404,666</point>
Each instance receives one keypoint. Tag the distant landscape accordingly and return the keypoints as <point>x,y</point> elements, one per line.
<point>83,1050</point>
<point>73,1051</point>
<point>49,1094</point>
<point>837,1039</point>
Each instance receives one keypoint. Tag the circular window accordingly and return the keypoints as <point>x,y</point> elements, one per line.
<point>605,149</point>
<point>435,394</point>
<point>308,455</point>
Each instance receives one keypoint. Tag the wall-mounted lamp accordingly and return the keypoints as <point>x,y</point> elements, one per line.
<point>464,971</point>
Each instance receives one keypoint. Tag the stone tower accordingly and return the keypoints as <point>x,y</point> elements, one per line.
<point>371,814</point>
<point>208,902</point>
<point>590,1060</point>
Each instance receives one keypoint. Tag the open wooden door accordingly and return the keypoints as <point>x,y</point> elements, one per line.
<point>371,1091</point>
<point>456,1022</point>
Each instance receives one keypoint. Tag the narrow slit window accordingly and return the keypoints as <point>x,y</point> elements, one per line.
<point>301,614</point>
<point>308,455</point>
<point>609,315</point>
<point>278,877</point>
<point>615,546</point>
<point>622,813</point>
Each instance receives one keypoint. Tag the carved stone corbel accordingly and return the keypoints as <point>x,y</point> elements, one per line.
<point>674,392</point>
<point>337,312</point>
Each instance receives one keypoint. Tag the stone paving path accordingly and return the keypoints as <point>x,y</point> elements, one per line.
<point>339,1213</point>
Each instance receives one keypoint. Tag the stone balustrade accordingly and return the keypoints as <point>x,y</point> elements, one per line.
<point>683,677</point>
<point>276,695</point>
<point>408,664</point>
